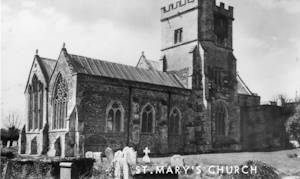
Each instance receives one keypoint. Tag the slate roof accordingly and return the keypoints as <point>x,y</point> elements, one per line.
<point>150,64</point>
<point>90,66</point>
<point>242,88</point>
<point>47,66</point>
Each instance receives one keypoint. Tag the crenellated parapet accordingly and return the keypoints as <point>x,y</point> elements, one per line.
<point>171,8</point>
<point>221,9</point>
<point>175,5</point>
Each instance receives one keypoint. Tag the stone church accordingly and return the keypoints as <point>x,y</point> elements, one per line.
<point>192,100</point>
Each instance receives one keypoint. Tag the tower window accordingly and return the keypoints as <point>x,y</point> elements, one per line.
<point>177,35</point>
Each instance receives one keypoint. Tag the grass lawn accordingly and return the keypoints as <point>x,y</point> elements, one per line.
<point>279,160</point>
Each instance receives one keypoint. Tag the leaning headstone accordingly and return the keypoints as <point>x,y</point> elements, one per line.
<point>89,154</point>
<point>119,164</point>
<point>146,157</point>
<point>109,153</point>
<point>130,156</point>
<point>15,143</point>
<point>177,160</point>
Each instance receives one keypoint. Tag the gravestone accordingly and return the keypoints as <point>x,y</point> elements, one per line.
<point>177,160</point>
<point>14,143</point>
<point>34,146</point>
<point>89,154</point>
<point>23,140</point>
<point>97,156</point>
<point>119,164</point>
<point>57,147</point>
<point>109,153</point>
<point>146,157</point>
<point>130,155</point>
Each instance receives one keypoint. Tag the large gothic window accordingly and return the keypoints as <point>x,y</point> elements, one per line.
<point>30,104</point>
<point>148,116</point>
<point>60,102</point>
<point>115,117</point>
<point>174,122</point>
<point>35,104</point>
<point>220,117</point>
<point>40,105</point>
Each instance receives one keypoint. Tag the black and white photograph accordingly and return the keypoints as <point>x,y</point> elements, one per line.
<point>150,89</point>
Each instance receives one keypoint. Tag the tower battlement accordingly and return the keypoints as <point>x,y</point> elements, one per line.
<point>221,9</point>
<point>172,6</point>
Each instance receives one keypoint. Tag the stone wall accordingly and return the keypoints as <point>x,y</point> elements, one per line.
<point>263,128</point>
<point>94,96</point>
<point>248,100</point>
<point>221,86</point>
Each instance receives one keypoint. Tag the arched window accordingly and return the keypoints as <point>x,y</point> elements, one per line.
<point>60,100</point>
<point>148,119</point>
<point>30,104</point>
<point>35,102</point>
<point>115,117</point>
<point>40,110</point>
<point>220,117</point>
<point>175,122</point>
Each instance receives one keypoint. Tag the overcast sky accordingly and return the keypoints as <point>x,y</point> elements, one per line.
<point>266,39</point>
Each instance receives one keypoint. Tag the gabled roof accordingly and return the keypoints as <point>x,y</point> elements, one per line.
<point>47,66</point>
<point>242,88</point>
<point>149,64</point>
<point>95,67</point>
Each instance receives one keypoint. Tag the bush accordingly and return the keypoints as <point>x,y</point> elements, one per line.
<point>264,171</point>
<point>293,125</point>
<point>9,152</point>
<point>47,167</point>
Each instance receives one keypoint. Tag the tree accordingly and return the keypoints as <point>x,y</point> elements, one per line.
<point>13,125</point>
<point>293,125</point>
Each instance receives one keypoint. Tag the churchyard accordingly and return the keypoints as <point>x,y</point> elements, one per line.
<point>126,164</point>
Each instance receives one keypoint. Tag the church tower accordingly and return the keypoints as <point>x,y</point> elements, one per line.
<point>197,45</point>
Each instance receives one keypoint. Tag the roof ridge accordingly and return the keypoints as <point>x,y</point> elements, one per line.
<point>106,61</point>
<point>97,67</point>
<point>49,59</point>
<point>101,60</point>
